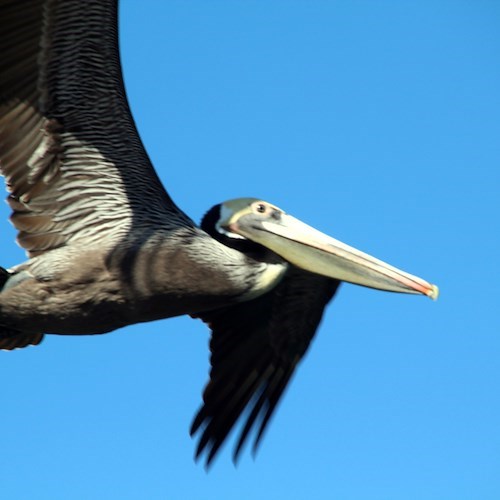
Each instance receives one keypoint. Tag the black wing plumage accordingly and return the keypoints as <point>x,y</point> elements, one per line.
<point>255,348</point>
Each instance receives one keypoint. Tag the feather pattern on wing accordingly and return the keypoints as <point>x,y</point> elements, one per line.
<point>74,164</point>
<point>255,348</point>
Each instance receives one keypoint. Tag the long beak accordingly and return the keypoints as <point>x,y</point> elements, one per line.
<point>318,253</point>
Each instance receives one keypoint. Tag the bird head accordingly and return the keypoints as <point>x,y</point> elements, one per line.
<point>255,226</point>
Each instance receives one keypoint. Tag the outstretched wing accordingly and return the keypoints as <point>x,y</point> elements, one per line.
<point>74,164</point>
<point>255,348</point>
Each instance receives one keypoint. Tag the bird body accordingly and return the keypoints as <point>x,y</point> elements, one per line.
<point>92,290</point>
<point>107,247</point>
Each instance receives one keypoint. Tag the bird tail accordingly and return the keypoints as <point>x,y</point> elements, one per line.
<point>12,339</point>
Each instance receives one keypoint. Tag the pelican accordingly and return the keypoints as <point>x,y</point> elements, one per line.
<point>107,247</point>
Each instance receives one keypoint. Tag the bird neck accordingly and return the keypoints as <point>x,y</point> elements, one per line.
<point>186,271</point>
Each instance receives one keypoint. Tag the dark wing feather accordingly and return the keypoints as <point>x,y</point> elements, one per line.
<point>255,348</point>
<point>74,164</point>
<point>9,339</point>
<point>17,341</point>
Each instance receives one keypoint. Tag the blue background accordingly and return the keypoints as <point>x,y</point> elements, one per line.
<point>376,122</point>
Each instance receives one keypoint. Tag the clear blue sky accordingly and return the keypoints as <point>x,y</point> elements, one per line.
<point>378,123</point>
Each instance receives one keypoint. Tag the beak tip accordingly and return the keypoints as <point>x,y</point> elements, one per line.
<point>433,293</point>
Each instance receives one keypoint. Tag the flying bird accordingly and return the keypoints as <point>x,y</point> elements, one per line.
<point>107,247</point>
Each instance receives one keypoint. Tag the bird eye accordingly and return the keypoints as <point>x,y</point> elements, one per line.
<point>260,208</point>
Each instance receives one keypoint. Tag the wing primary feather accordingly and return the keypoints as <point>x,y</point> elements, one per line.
<point>263,409</point>
<point>255,349</point>
<point>224,414</point>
